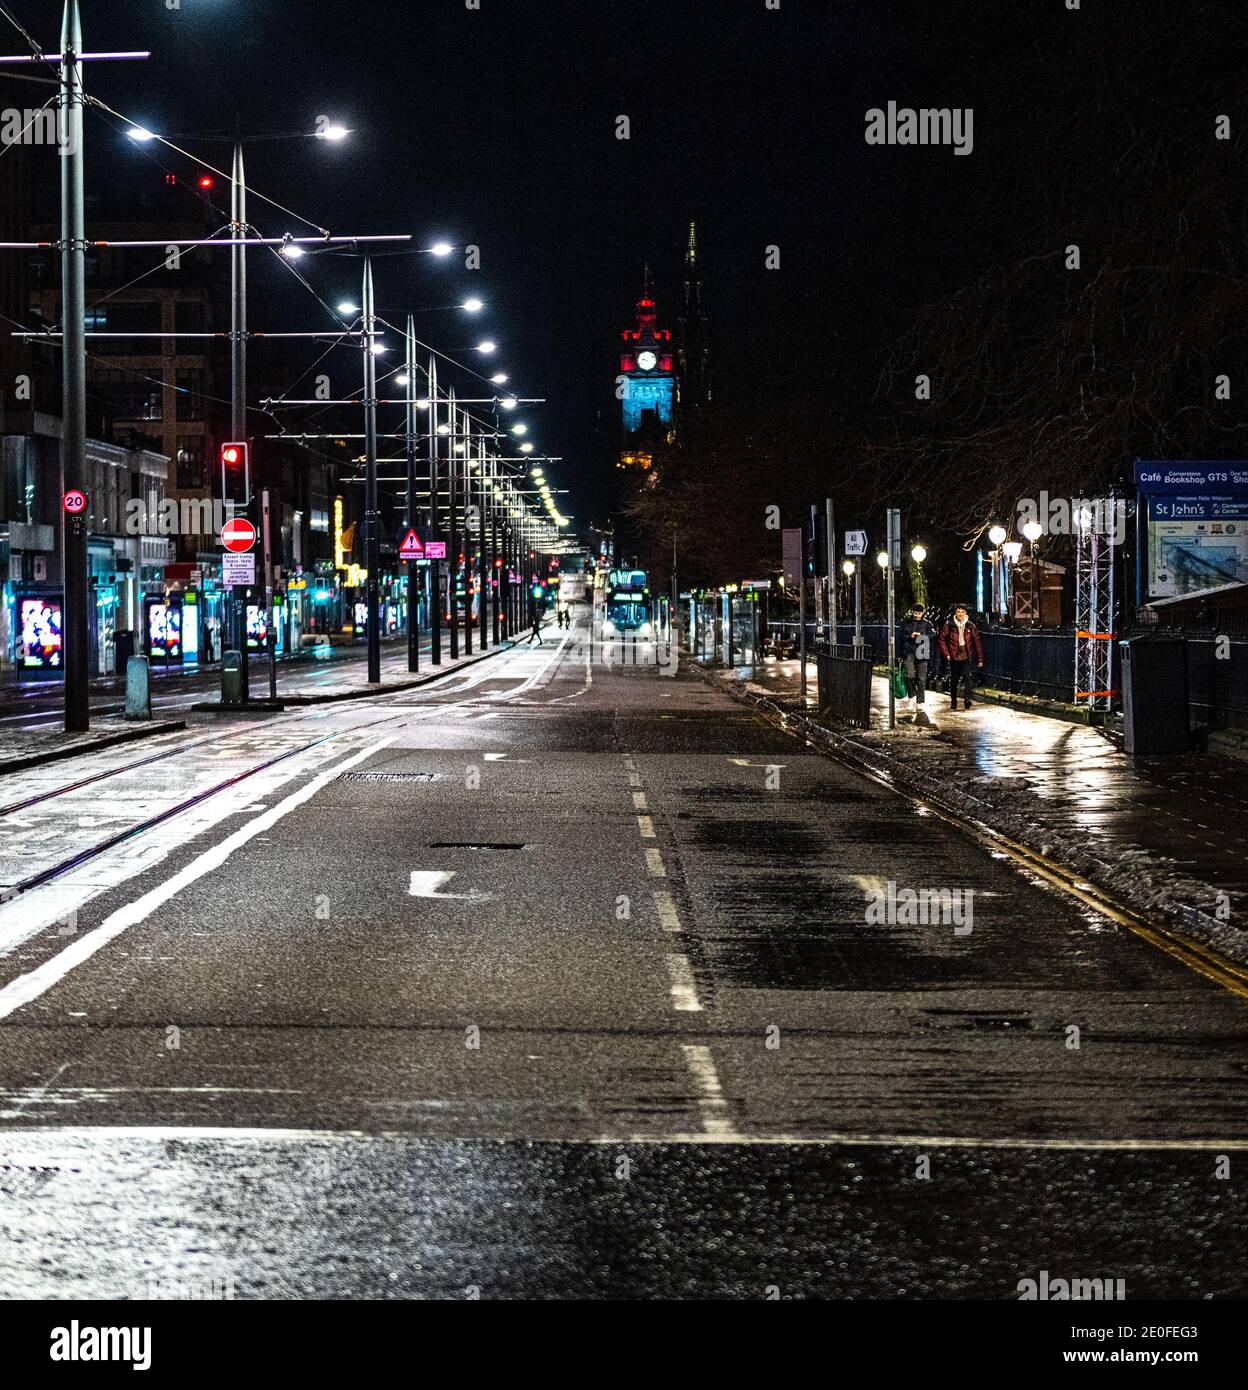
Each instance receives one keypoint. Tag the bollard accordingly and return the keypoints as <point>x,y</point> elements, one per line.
<point>231,678</point>
<point>138,688</point>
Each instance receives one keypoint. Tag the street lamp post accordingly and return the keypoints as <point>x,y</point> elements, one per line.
<point>464,448</point>
<point>372,540</point>
<point>435,565</point>
<point>452,548</point>
<point>483,597</point>
<point>73,377</point>
<point>413,569</point>
<point>238,376</point>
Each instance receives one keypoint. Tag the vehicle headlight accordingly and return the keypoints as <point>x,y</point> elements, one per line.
<point>645,627</point>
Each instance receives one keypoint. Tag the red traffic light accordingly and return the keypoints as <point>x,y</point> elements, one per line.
<point>206,181</point>
<point>233,455</point>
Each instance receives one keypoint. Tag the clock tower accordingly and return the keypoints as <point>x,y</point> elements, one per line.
<point>646,382</point>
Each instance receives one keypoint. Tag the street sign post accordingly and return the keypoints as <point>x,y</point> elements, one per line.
<point>411,549</point>
<point>855,542</point>
<point>270,624</point>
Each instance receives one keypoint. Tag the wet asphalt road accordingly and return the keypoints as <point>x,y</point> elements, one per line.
<point>555,980</point>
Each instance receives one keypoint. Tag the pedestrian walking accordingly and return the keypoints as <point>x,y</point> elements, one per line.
<point>962,648</point>
<point>537,630</point>
<point>916,639</point>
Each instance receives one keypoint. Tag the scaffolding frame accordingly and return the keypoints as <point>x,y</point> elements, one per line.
<point>1095,610</point>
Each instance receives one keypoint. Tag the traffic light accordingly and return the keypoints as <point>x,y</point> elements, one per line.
<point>236,472</point>
<point>817,559</point>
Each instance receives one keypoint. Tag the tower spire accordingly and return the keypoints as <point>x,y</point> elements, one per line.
<point>691,250</point>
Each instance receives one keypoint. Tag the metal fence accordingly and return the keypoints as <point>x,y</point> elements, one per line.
<point>1217,682</point>
<point>1042,664</point>
<point>1023,663</point>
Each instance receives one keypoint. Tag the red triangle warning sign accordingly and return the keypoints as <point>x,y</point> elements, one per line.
<point>411,549</point>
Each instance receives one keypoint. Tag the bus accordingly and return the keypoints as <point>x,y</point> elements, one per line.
<point>628,603</point>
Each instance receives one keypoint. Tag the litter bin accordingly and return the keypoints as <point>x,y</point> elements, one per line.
<point>138,688</point>
<point>1154,694</point>
<point>232,678</point>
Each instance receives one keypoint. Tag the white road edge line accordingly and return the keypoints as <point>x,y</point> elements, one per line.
<point>669,918</point>
<point>712,1103</point>
<point>43,1137</point>
<point>30,986</point>
<point>684,991</point>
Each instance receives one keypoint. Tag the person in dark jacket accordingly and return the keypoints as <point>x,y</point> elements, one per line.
<point>916,643</point>
<point>962,648</point>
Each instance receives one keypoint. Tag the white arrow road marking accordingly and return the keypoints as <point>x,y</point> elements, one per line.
<point>426,883</point>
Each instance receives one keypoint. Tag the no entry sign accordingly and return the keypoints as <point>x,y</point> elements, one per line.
<point>238,535</point>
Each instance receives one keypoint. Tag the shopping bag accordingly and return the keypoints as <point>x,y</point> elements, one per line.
<point>901,691</point>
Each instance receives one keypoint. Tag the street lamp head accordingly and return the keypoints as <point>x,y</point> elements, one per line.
<point>996,534</point>
<point>498,379</point>
<point>486,347</point>
<point>346,307</point>
<point>291,251</point>
<point>441,248</point>
<point>526,448</point>
<point>444,429</point>
<point>402,379</point>
<point>140,134</point>
<point>377,349</point>
<point>473,305</point>
<point>1013,549</point>
<point>508,402</point>
<point>519,429</point>
<point>848,567</point>
<point>1033,530</point>
<point>882,559</point>
<point>333,133</point>
<point>918,554</point>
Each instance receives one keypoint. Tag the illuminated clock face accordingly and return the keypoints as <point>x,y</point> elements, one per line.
<point>646,361</point>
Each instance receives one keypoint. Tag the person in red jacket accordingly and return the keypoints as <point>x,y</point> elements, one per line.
<point>961,647</point>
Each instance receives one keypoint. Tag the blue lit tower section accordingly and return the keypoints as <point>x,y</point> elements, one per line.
<point>648,384</point>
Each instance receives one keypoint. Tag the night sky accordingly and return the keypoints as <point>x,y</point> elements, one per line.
<point>497,127</point>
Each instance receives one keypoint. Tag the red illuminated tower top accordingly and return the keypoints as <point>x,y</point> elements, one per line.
<point>646,348</point>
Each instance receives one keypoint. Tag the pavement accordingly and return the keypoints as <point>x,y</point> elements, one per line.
<point>1164,833</point>
<point>559,978</point>
<point>313,673</point>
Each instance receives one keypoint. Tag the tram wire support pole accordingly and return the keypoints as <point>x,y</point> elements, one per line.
<point>413,569</point>
<point>372,519</point>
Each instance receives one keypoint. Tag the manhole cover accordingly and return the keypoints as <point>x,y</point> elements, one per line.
<point>390,777</point>
<point>472,844</point>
